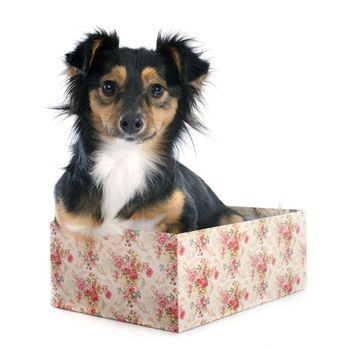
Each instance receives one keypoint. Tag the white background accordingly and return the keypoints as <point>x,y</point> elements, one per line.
<point>278,109</point>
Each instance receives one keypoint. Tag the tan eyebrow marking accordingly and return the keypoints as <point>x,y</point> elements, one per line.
<point>118,74</point>
<point>150,75</point>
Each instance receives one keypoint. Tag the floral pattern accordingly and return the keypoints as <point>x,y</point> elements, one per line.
<point>177,282</point>
<point>231,240</point>
<point>287,282</point>
<point>198,281</point>
<point>231,299</point>
<point>287,228</point>
<point>90,292</point>
<point>200,242</point>
<point>261,264</point>
<point>89,255</point>
<point>56,255</point>
<point>129,267</point>
<point>167,308</point>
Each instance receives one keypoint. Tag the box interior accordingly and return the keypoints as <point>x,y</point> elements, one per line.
<point>251,213</point>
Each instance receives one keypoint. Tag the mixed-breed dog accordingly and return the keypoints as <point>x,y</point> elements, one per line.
<point>131,106</point>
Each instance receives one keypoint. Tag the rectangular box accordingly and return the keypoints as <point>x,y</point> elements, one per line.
<point>179,281</point>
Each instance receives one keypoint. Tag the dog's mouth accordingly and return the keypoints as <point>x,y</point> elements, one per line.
<point>137,138</point>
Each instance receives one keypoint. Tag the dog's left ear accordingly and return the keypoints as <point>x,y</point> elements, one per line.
<point>192,69</point>
<point>81,58</point>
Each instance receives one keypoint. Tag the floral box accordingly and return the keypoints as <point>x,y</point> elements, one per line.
<point>179,281</point>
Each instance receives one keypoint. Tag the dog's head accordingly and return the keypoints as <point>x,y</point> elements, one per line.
<point>134,94</point>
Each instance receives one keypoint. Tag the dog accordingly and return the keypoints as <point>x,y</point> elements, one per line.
<point>131,107</point>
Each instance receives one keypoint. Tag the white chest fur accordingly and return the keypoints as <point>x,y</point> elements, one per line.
<point>120,170</point>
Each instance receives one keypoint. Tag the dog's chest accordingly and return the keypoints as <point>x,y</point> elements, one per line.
<point>121,170</point>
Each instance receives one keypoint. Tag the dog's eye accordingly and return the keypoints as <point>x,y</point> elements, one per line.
<point>157,90</point>
<point>108,87</point>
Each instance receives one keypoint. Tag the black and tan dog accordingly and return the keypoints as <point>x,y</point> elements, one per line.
<point>131,107</point>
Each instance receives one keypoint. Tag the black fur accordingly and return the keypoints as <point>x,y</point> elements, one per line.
<point>76,188</point>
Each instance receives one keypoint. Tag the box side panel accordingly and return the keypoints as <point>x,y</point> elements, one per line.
<point>228,269</point>
<point>130,277</point>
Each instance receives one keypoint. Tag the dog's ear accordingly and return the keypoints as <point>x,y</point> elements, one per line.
<point>81,58</point>
<point>192,69</point>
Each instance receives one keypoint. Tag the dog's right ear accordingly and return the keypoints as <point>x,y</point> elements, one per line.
<point>81,58</point>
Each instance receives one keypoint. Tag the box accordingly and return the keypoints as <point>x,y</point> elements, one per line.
<point>176,282</point>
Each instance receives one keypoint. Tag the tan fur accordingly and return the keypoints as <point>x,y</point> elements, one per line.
<point>159,113</point>
<point>118,74</point>
<point>198,83</point>
<point>230,219</point>
<point>176,57</point>
<point>104,116</point>
<point>65,219</point>
<point>160,119</point>
<point>106,112</point>
<point>149,75</point>
<point>70,71</point>
<point>171,210</point>
<point>97,43</point>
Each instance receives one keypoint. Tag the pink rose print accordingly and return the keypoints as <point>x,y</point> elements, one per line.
<point>162,238</point>
<point>133,275</point>
<point>231,244</point>
<point>118,262</point>
<point>215,273</point>
<point>231,299</point>
<point>260,264</point>
<point>166,244</point>
<point>57,301</point>
<point>131,295</point>
<point>286,229</point>
<point>261,231</point>
<point>181,249</point>
<point>273,260</point>
<point>234,303</point>
<point>56,255</point>
<point>245,238</point>
<point>162,303</point>
<point>197,282</point>
<point>108,294</point>
<point>132,270</point>
<point>68,255</point>
<point>225,298</point>
<point>202,282</point>
<point>89,254</point>
<point>131,317</point>
<point>91,310</point>
<point>200,243</point>
<point>287,282</point>
<point>149,272</point>
<point>182,314</point>
<point>168,308</point>
<point>129,236</point>
<point>90,290</point>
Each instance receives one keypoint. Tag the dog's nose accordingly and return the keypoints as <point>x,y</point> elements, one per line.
<point>131,123</point>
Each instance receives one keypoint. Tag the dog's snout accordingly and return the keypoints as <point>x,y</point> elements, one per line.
<point>131,123</point>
